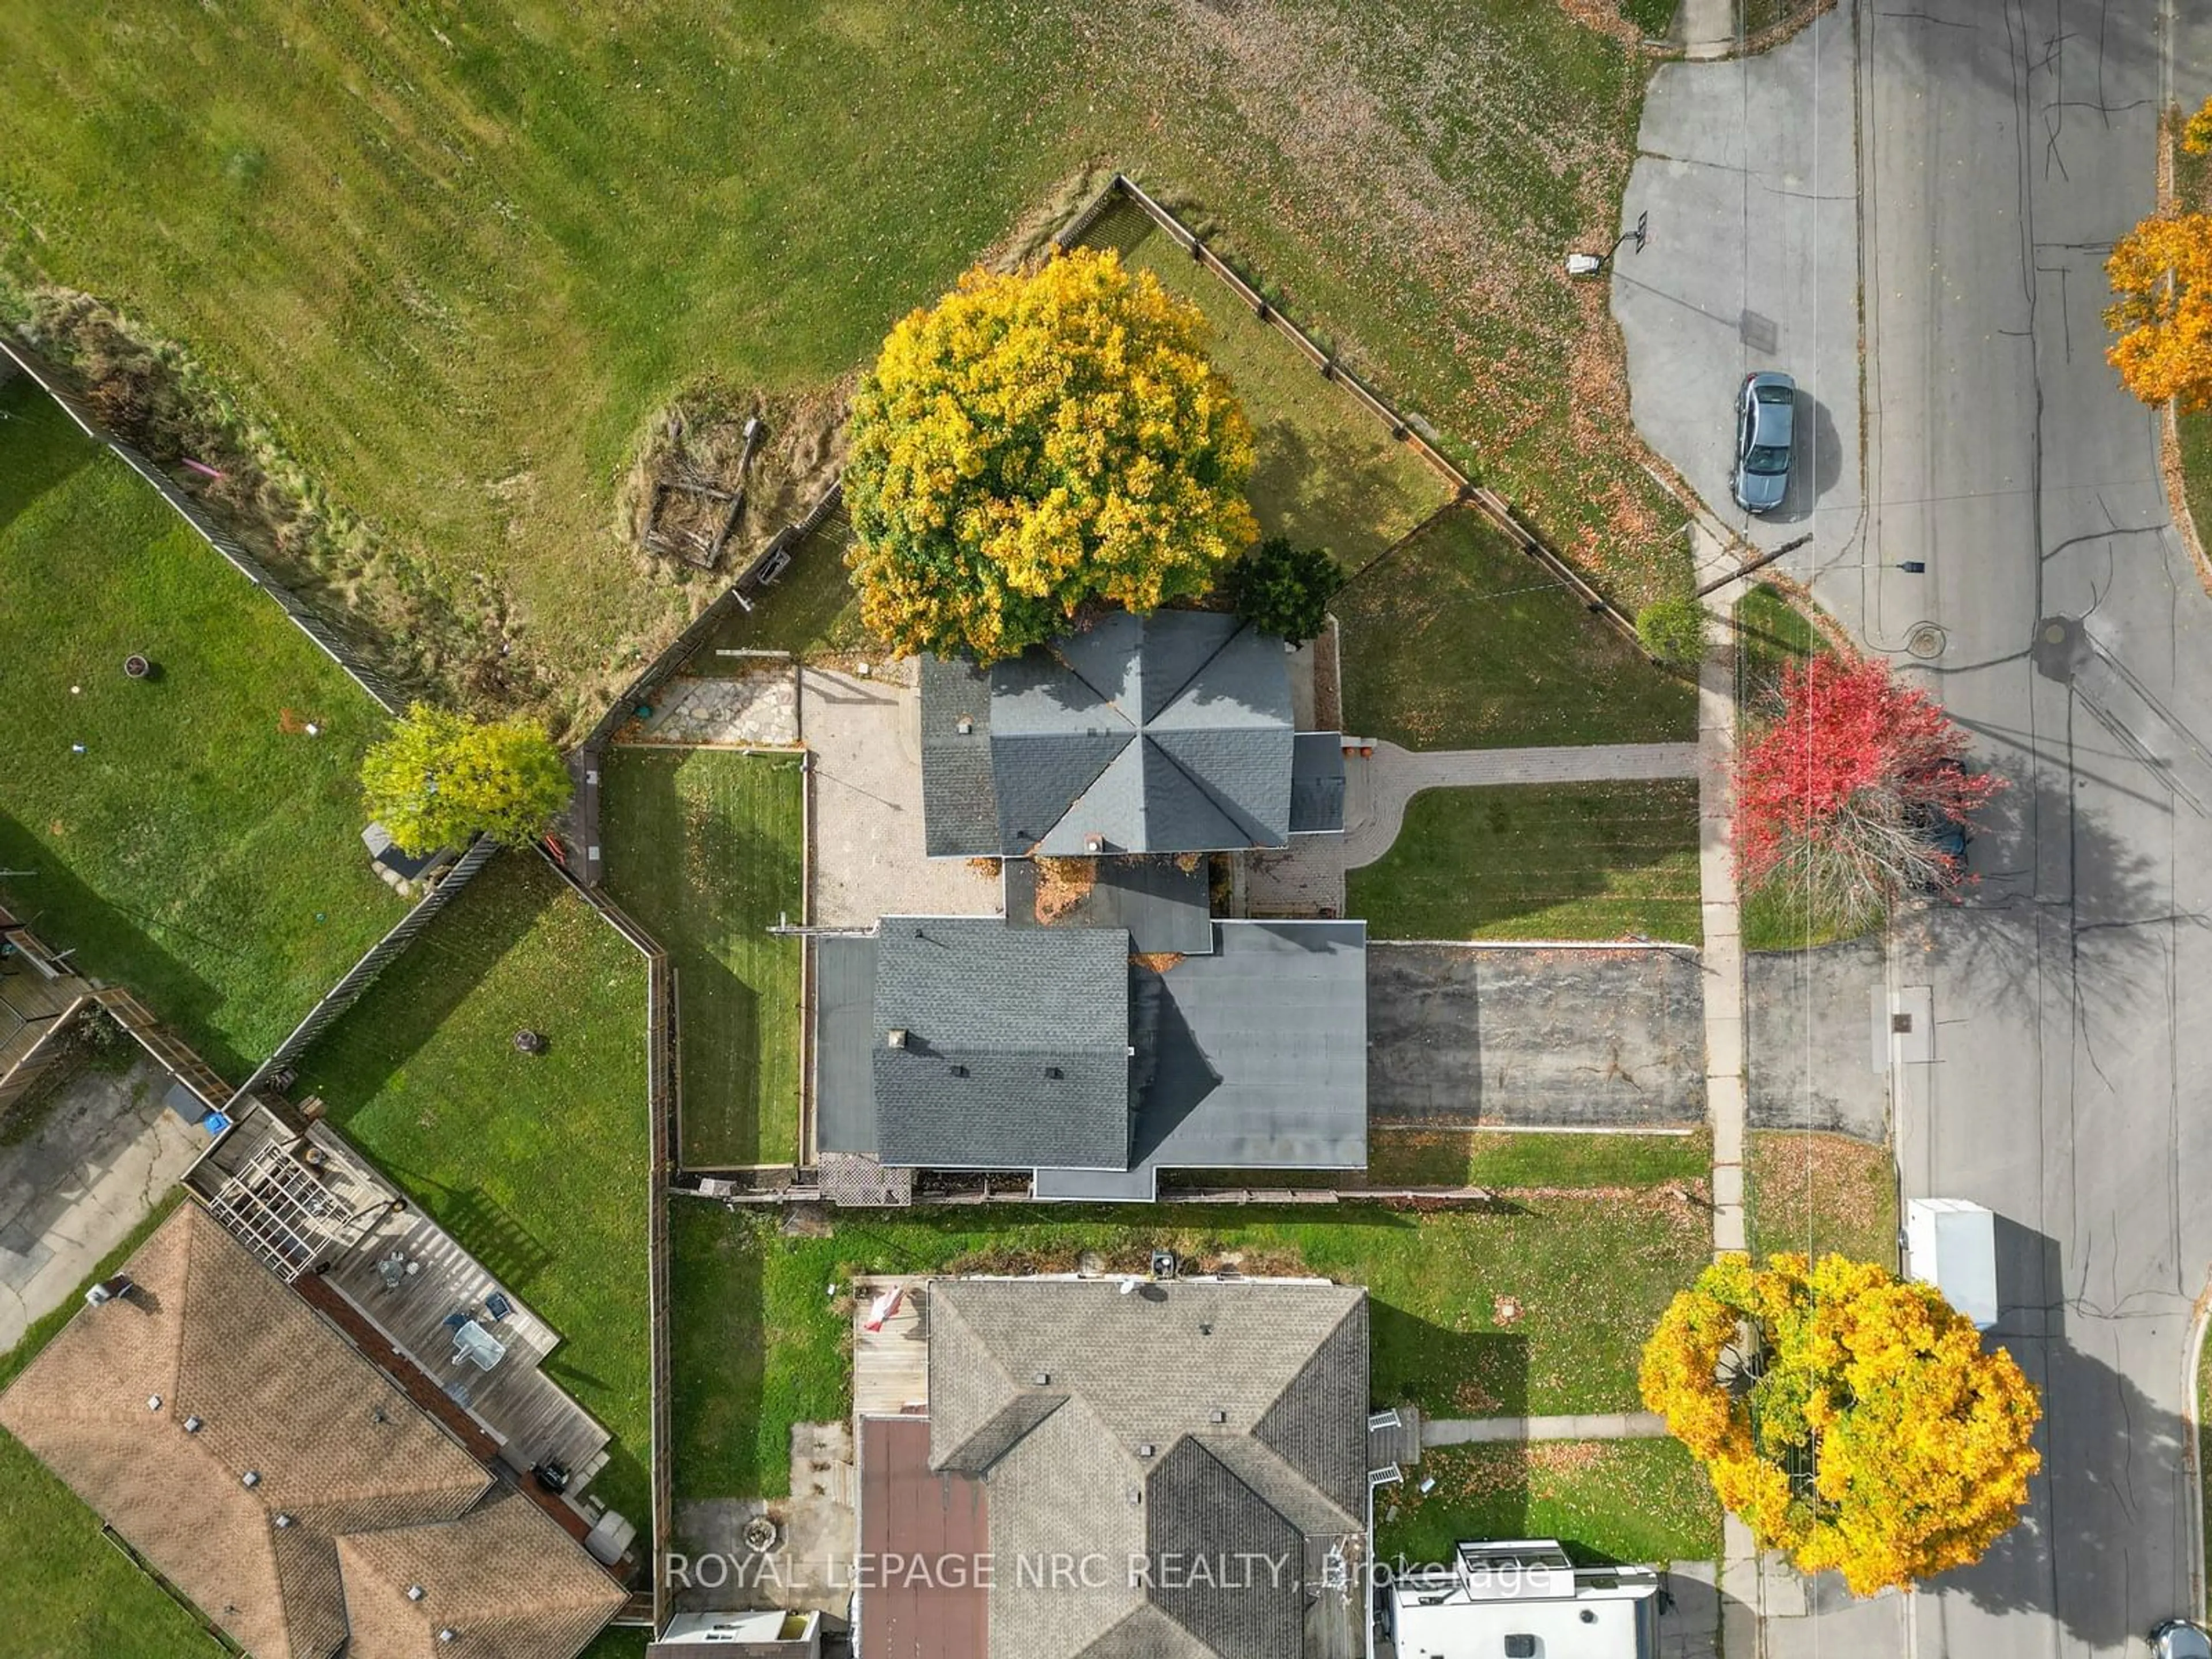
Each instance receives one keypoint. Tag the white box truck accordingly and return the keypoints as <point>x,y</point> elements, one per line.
<point>1952,1243</point>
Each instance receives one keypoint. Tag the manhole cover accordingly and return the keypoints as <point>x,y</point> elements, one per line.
<point>1925,641</point>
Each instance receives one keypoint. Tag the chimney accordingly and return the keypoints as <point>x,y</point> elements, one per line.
<point>1094,844</point>
<point>896,1037</point>
<point>964,727</point>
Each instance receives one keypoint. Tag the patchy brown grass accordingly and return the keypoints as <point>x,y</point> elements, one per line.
<point>1818,1193</point>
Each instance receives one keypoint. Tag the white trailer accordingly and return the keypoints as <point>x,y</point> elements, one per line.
<point>1952,1243</point>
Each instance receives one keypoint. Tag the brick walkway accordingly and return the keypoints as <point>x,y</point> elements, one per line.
<point>1377,789</point>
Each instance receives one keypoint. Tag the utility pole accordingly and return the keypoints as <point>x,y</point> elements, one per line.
<point>1759,563</point>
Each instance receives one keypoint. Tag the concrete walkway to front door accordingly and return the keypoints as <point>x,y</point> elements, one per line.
<point>1376,787</point>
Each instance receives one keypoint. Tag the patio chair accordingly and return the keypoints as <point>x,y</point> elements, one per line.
<point>498,1307</point>
<point>455,1320</point>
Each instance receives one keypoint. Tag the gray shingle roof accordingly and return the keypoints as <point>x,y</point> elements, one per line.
<point>1160,734</point>
<point>1282,1475</point>
<point>1015,1050</point>
<point>1161,905</point>
<point>959,799</point>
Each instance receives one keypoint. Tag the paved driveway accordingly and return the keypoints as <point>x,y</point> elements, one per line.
<point>867,785</point>
<point>106,1153</point>
<point>1464,1036</point>
<point>1747,172</point>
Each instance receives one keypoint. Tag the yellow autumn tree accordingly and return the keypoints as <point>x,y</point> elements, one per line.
<point>1036,442</point>
<point>2161,277</point>
<point>1850,1418</point>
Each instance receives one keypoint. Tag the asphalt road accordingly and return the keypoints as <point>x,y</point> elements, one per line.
<point>2003,146</point>
<point>2000,147</point>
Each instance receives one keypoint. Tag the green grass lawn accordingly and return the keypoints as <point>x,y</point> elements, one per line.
<point>760,1342</point>
<point>1460,641</point>
<point>1328,472</point>
<point>1399,1156</point>
<point>1771,632</point>
<point>197,851</point>
<point>1580,861</point>
<point>1623,1502</point>
<point>536,1164</point>
<point>389,231</point>
<point>703,847</point>
<point>1819,1193</point>
<point>67,1588</point>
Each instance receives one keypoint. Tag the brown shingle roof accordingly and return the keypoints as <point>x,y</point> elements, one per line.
<point>332,1443</point>
<point>506,1578</point>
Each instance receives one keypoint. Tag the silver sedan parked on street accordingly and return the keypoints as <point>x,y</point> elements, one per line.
<point>1765,425</point>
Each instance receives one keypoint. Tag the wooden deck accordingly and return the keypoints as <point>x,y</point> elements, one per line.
<point>536,1421</point>
<point>890,1367</point>
<point>313,1207</point>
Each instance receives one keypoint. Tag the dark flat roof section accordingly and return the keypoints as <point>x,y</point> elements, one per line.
<point>1161,906</point>
<point>939,1520</point>
<point>844,1044</point>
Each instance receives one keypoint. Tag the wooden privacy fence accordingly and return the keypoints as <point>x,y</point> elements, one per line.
<point>358,978</point>
<point>325,638</point>
<point>1493,505</point>
<point>660,1088</point>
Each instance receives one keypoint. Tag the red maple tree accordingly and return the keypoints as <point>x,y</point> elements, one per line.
<point>1856,793</point>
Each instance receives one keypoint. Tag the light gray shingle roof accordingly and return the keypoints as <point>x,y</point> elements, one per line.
<point>1281,1476</point>
<point>1159,734</point>
<point>1015,1050</point>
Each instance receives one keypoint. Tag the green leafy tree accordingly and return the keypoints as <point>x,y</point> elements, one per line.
<point>441,777</point>
<point>1283,590</point>
<point>1036,442</point>
<point>1673,630</point>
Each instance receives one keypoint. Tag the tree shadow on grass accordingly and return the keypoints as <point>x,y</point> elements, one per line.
<point>1329,488</point>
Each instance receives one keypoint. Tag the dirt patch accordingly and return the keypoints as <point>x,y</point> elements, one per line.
<point>701,494</point>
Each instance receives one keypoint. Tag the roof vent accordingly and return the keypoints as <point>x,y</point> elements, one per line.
<point>1147,1449</point>
<point>1136,1494</point>
<point>251,1478</point>
<point>192,1425</point>
<point>449,1634</point>
<point>1218,1415</point>
<point>1204,1329</point>
<point>896,1037</point>
<point>153,1402</point>
<point>957,1069</point>
<point>1094,845</point>
<point>414,1592</point>
<point>1042,1379</point>
<point>1054,1072</point>
<point>283,1520</point>
<point>964,727</point>
<point>1518,1646</point>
